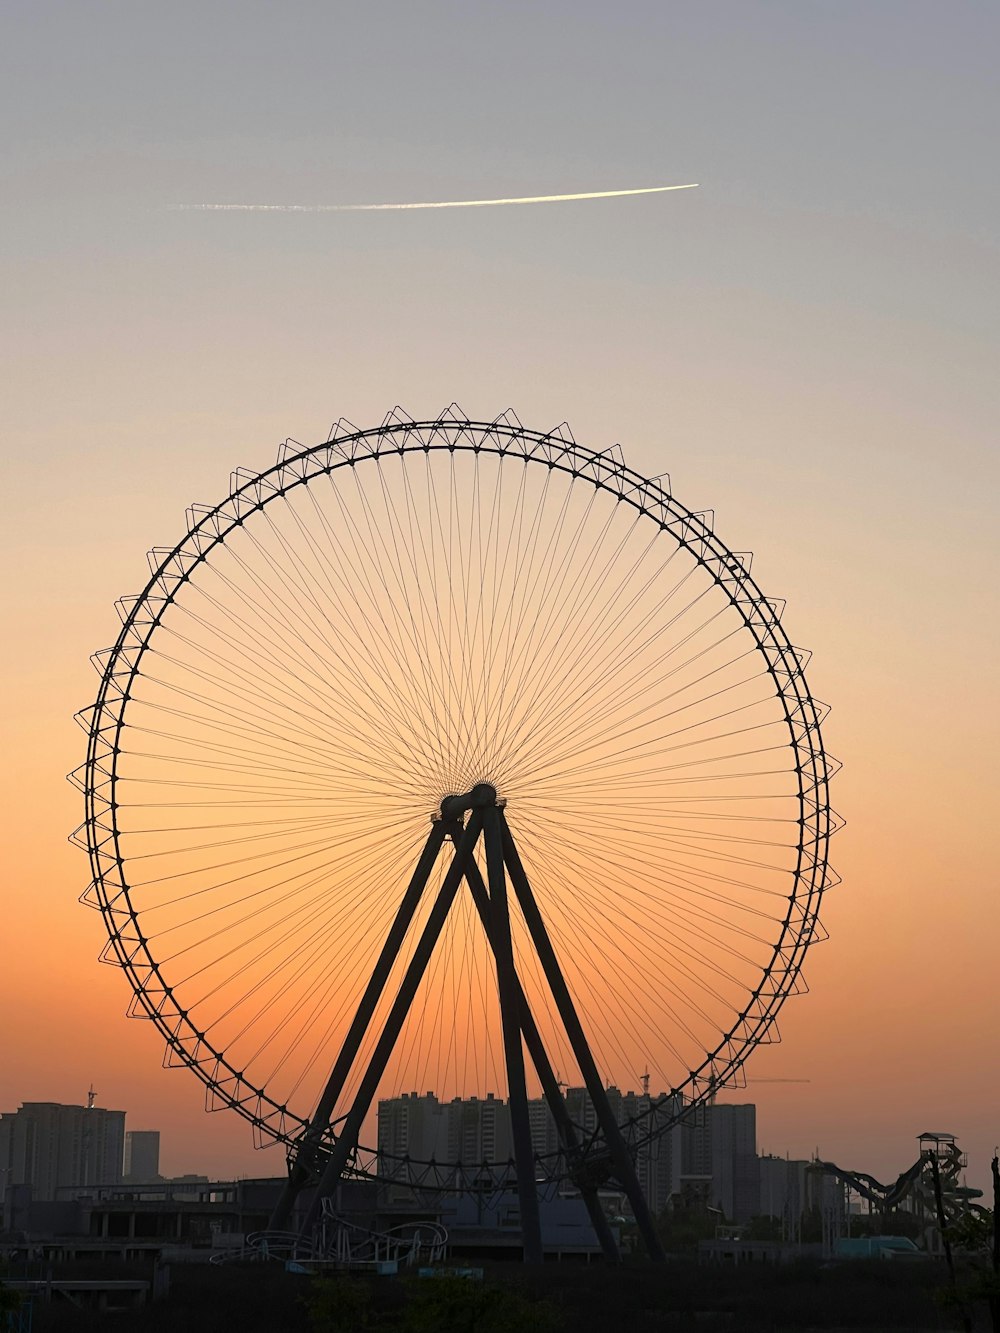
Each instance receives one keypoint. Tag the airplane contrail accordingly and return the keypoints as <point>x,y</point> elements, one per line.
<point>447,203</point>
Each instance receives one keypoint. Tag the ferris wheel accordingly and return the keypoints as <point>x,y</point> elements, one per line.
<point>452,755</point>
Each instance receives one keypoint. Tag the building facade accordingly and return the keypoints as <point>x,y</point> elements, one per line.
<point>412,1126</point>
<point>702,1156</point>
<point>475,1130</point>
<point>48,1145</point>
<point>732,1132</point>
<point>142,1155</point>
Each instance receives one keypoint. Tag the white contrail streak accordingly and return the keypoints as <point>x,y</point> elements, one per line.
<point>448,203</point>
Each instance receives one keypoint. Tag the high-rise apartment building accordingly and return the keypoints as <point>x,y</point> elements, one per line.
<point>468,1130</point>
<point>645,1121</point>
<point>142,1155</point>
<point>47,1145</point>
<point>541,1122</point>
<point>473,1130</point>
<point>733,1161</point>
<point>479,1130</point>
<point>706,1154</point>
<point>792,1190</point>
<point>412,1126</point>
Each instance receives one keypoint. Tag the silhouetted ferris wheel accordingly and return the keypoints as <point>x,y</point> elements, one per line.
<point>452,755</point>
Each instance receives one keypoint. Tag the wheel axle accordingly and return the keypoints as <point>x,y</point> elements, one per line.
<point>481,795</point>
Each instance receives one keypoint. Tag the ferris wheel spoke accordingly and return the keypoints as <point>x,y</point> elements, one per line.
<point>672,891</point>
<point>318,875</point>
<point>681,771</point>
<point>575,714</point>
<point>617,747</point>
<point>279,712</point>
<point>646,751</point>
<point>324,931</point>
<point>625,820</point>
<point>253,863</point>
<point>585,640</point>
<point>417,655</point>
<point>277,833</point>
<point>258,885</point>
<point>280,746</point>
<point>314,674</point>
<point>411,581</point>
<point>593,643</point>
<point>550,586</point>
<point>525,654</point>
<point>399,628</point>
<point>487,609</point>
<point>386,668</point>
<point>614,1010</point>
<point>514,565</point>
<point>334,941</point>
<point>449,653</point>
<point>436,661</point>
<point>576,720</point>
<point>314,943</point>
<point>643,684</point>
<point>526,574</point>
<point>283,1025</point>
<point>287,641</point>
<point>313,593</point>
<point>642,927</point>
<point>366,707</point>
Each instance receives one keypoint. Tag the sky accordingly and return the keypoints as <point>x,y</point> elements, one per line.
<point>807,343</point>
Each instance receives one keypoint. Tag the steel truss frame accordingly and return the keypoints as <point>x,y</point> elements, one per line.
<point>347,447</point>
<point>311,1165</point>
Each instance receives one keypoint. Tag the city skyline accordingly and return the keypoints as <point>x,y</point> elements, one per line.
<point>706,1155</point>
<point>804,343</point>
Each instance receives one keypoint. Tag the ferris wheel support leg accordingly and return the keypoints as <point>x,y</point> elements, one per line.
<point>546,1075</point>
<point>510,1015</point>
<point>347,1141</point>
<point>623,1164</point>
<point>301,1170</point>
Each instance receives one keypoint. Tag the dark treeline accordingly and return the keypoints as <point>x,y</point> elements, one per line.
<point>556,1297</point>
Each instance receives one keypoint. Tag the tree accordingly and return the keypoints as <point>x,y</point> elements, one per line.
<point>971,1237</point>
<point>10,1302</point>
<point>431,1305</point>
<point>764,1228</point>
<point>339,1305</point>
<point>682,1226</point>
<point>461,1305</point>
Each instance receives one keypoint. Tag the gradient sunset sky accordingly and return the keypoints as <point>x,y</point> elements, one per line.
<point>808,344</point>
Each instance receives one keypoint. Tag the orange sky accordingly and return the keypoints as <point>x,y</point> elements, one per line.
<point>807,344</point>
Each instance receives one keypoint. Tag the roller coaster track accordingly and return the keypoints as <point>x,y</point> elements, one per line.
<point>915,1184</point>
<point>339,1240</point>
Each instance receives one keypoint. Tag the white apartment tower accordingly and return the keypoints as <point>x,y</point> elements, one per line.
<point>47,1145</point>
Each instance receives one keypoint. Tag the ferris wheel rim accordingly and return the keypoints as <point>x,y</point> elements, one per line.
<point>209,527</point>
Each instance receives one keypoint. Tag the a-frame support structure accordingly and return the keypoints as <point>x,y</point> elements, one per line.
<point>313,1161</point>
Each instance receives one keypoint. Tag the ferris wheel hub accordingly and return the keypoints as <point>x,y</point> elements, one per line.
<point>481,795</point>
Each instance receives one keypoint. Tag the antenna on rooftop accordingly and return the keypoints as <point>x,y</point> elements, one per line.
<point>645,1082</point>
<point>91,1098</point>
